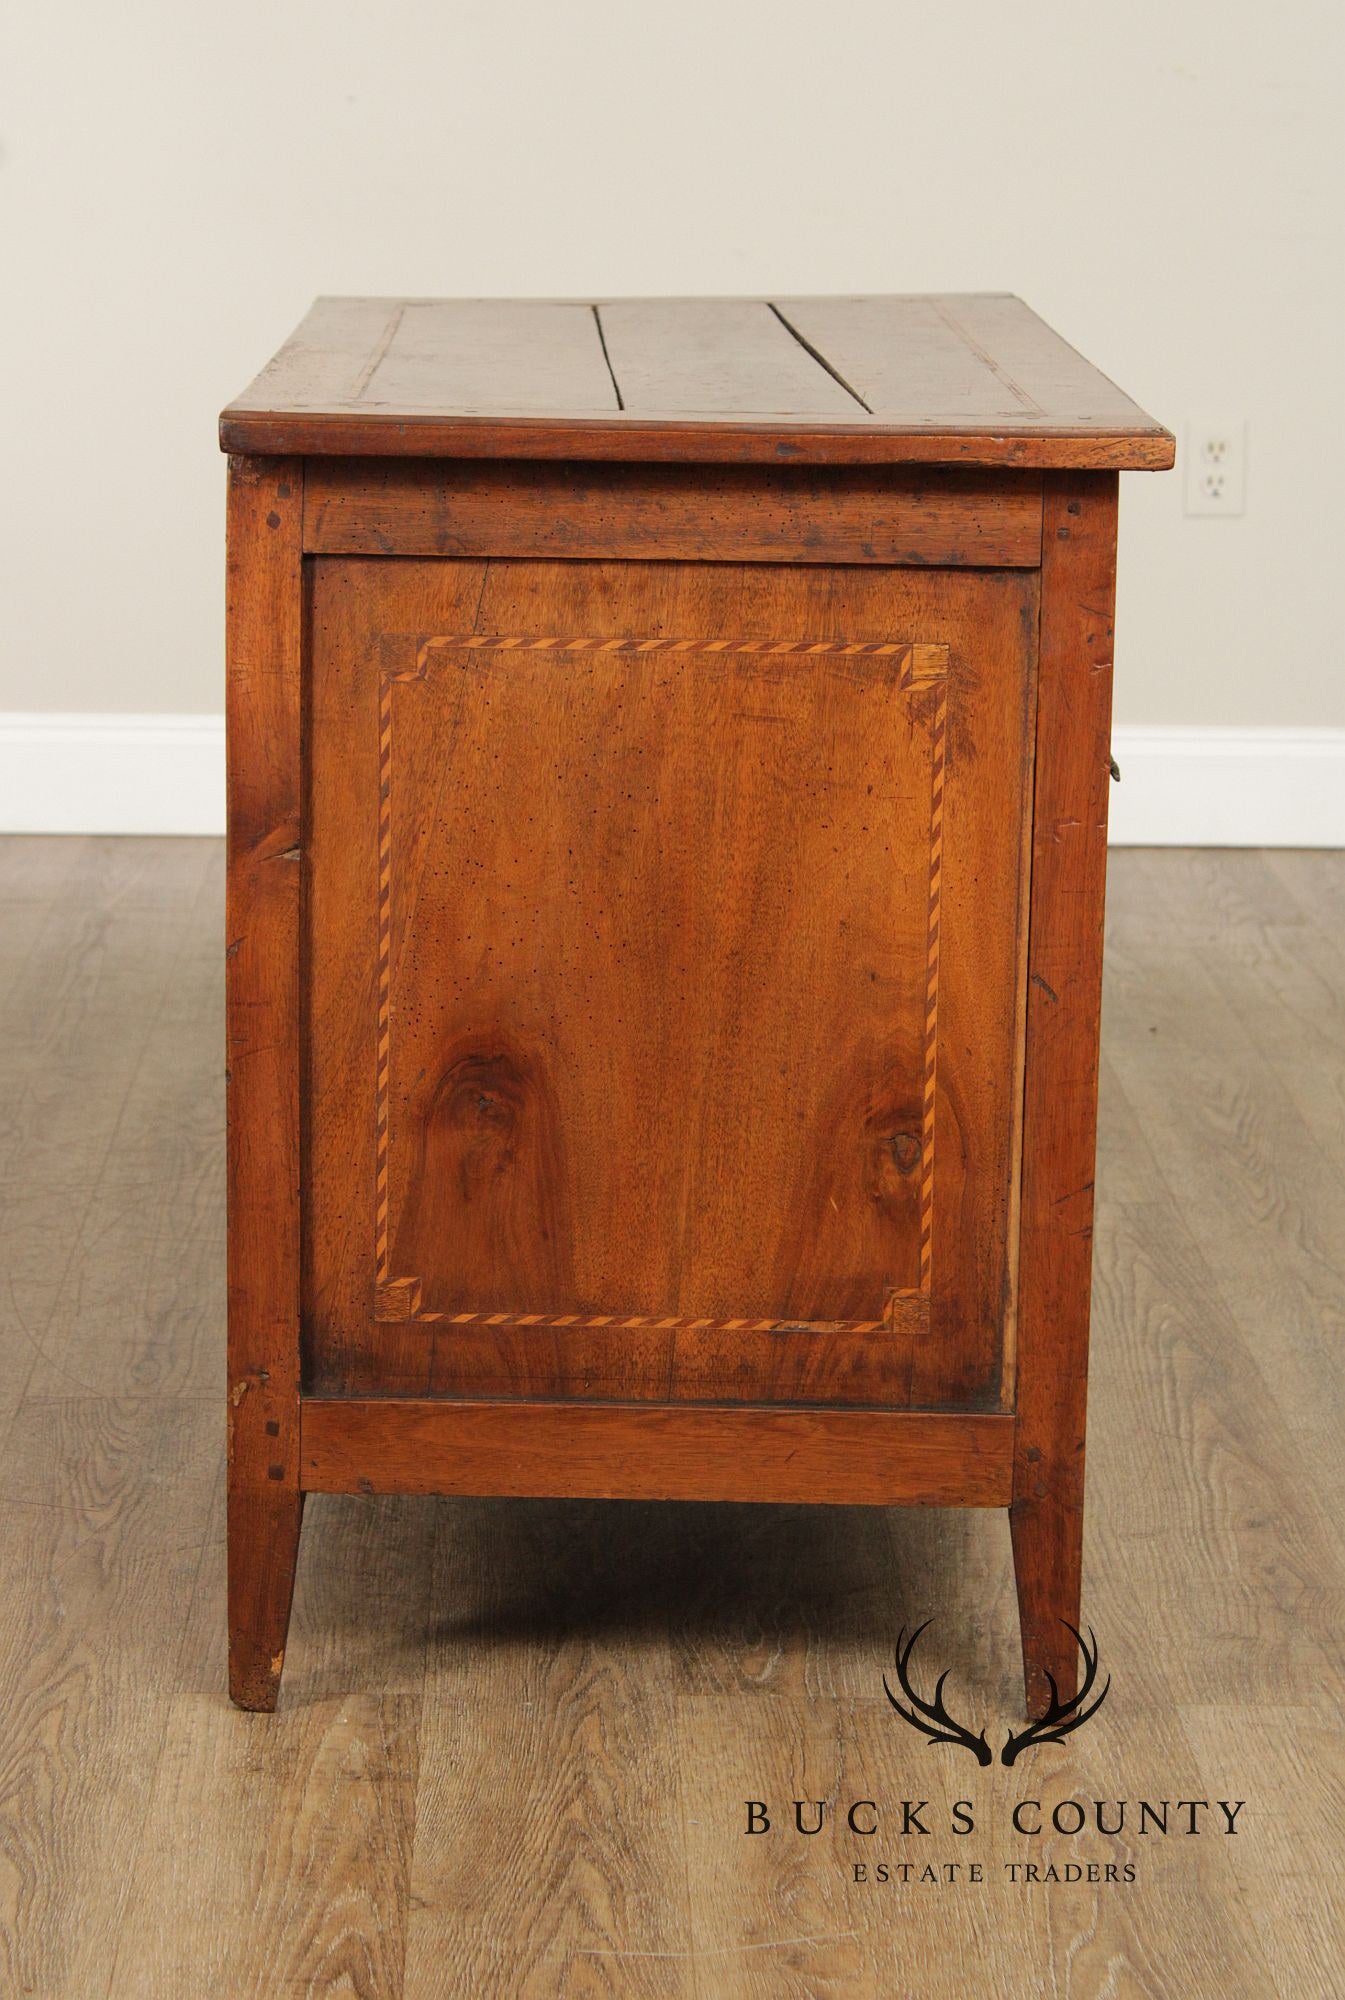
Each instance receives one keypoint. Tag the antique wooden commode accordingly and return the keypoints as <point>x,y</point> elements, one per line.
<point>668,763</point>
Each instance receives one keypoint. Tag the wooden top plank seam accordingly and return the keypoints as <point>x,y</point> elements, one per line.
<point>819,357</point>
<point>377,352</point>
<point>987,359</point>
<point>602,340</point>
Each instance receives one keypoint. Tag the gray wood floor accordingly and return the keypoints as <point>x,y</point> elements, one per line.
<point>516,1737</point>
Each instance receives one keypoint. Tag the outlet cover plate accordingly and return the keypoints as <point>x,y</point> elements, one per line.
<point>1215,462</point>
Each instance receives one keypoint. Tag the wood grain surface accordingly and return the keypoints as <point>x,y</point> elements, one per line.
<point>956,379</point>
<point>657,1452</point>
<point>672,513</point>
<point>517,1735</point>
<point>571,967</point>
<point>1064,1000</point>
<point>263,623</point>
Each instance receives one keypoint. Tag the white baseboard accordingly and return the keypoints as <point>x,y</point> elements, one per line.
<point>63,773</point>
<point>1188,787</point>
<point>1180,786</point>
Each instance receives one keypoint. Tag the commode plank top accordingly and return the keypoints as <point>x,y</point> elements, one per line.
<point>668,765</point>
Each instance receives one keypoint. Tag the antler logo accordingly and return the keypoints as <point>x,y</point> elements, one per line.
<point>932,1719</point>
<point>1061,1717</point>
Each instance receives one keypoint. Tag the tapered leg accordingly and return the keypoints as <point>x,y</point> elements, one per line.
<point>1047,1563</point>
<point>263,1552</point>
<point>262,1027</point>
<point>1064,999</point>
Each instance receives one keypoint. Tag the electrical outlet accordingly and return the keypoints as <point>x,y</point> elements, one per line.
<point>1216,468</point>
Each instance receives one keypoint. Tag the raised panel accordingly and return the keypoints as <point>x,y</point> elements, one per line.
<point>692,866</point>
<point>626,1025</point>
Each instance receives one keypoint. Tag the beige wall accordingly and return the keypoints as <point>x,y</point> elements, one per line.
<point>1161,181</point>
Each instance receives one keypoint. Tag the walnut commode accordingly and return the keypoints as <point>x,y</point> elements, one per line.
<point>668,763</point>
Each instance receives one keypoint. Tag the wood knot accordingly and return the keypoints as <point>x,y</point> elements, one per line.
<point>482,1097</point>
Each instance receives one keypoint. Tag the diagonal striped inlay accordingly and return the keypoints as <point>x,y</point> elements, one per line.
<point>939,740</point>
<point>398,1303</point>
<point>924,668</point>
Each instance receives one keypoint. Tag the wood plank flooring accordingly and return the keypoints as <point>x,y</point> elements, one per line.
<point>516,1738</point>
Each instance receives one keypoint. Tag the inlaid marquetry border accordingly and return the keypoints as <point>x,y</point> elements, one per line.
<point>938,758</point>
<point>397,1301</point>
<point>925,663</point>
